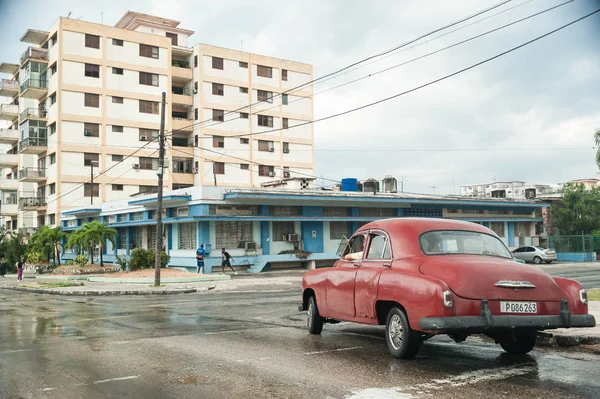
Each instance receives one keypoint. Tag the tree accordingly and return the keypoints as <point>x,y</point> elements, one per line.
<point>13,247</point>
<point>47,241</point>
<point>97,233</point>
<point>597,141</point>
<point>578,211</point>
<point>77,240</point>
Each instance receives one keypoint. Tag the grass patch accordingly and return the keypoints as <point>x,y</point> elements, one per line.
<point>154,286</point>
<point>57,284</point>
<point>594,295</point>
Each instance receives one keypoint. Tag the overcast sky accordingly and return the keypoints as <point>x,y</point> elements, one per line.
<point>529,115</point>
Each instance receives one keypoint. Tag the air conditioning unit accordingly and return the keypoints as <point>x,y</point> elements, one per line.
<point>271,174</point>
<point>286,174</point>
<point>135,166</point>
<point>292,237</point>
<point>271,149</point>
<point>87,133</point>
<point>142,138</point>
<point>195,171</point>
<point>250,246</point>
<point>286,150</point>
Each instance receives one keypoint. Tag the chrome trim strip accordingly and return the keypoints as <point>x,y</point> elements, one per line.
<point>514,284</point>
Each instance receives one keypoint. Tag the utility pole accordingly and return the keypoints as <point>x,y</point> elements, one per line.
<point>92,189</point>
<point>160,172</point>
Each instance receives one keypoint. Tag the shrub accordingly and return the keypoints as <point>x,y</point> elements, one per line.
<point>81,260</point>
<point>34,257</point>
<point>164,258</point>
<point>122,262</point>
<point>70,262</point>
<point>142,258</point>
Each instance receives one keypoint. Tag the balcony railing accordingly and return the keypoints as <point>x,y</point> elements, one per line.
<point>180,64</point>
<point>11,199</point>
<point>33,142</point>
<point>34,173</point>
<point>34,84</point>
<point>39,113</point>
<point>31,202</point>
<point>180,116</point>
<point>9,84</point>
<point>182,142</point>
<point>182,91</point>
<point>34,53</point>
<point>9,109</point>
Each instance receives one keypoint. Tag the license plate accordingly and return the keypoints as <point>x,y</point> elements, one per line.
<point>518,307</point>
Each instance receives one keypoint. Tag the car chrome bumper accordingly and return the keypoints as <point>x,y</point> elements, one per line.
<point>487,321</point>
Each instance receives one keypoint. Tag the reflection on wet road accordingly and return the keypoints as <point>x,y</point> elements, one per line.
<point>248,345</point>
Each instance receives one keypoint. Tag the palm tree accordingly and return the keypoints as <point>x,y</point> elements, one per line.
<point>47,240</point>
<point>98,233</point>
<point>597,141</point>
<point>77,239</point>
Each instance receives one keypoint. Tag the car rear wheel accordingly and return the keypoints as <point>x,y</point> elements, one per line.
<point>548,261</point>
<point>520,345</point>
<point>537,260</point>
<point>402,341</point>
<point>314,320</point>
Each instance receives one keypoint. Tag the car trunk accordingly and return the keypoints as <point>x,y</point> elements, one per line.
<point>474,277</point>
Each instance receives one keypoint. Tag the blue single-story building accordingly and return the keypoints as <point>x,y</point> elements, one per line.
<point>266,227</point>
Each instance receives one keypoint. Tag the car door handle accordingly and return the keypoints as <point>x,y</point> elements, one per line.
<point>387,265</point>
<point>356,264</point>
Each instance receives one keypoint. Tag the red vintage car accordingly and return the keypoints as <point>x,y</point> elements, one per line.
<point>422,277</point>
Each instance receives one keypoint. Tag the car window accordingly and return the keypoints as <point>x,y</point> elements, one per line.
<point>378,247</point>
<point>355,245</point>
<point>530,249</point>
<point>520,249</point>
<point>447,242</point>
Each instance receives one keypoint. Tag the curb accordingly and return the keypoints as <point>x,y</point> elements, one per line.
<point>565,341</point>
<point>150,280</point>
<point>103,293</point>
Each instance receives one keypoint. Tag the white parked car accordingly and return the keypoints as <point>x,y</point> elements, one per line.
<point>536,255</point>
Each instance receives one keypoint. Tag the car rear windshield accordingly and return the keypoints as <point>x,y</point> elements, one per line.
<point>451,242</point>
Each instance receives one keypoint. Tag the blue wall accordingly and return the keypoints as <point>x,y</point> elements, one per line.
<point>511,233</point>
<point>313,244</point>
<point>576,256</point>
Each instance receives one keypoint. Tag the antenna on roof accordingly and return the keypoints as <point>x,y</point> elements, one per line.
<point>70,12</point>
<point>242,46</point>
<point>101,17</point>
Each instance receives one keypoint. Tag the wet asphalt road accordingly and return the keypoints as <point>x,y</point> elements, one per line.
<point>248,345</point>
<point>588,276</point>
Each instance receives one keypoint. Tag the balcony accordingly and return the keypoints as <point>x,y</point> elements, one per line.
<point>33,113</point>
<point>34,88</point>
<point>8,68</point>
<point>182,142</point>
<point>32,204</point>
<point>32,175</point>
<point>33,145</point>
<point>9,112</point>
<point>181,71</point>
<point>9,205</point>
<point>9,88</point>
<point>9,136</point>
<point>9,184</point>
<point>9,160</point>
<point>34,36</point>
<point>34,53</point>
<point>181,121</point>
<point>182,95</point>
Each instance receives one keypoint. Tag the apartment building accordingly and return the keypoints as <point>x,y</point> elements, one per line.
<point>84,100</point>
<point>513,190</point>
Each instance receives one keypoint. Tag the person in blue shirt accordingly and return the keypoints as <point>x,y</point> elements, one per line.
<point>200,252</point>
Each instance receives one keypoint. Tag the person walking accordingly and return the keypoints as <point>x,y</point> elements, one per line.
<point>200,252</point>
<point>20,266</point>
<point>2,266</point>
<point>226,261</point>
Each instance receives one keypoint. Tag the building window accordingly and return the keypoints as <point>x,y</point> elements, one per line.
<point>92,100</point>
<point>217,63</point>
<point>117,129</point>
<point>183,165</point>
<point>196,87</point>
<point>218,141</point>
<point>286,147</point>
<point>52,188</point>
<point>92,41</point>
<point>265,96</point>
<point>377,212</point>
<point>335,211</point>
<point>243,115</point>
<point>245,166</point>
<point>137,216</point>
<point>230,234</point>
<point>91,190</point>
<point>284,74</point>
<point>187,236</point>
<point>218,115</point>
<point>52,159</point>
<point>266,146</point>
<point>117,71</point>
<point>264,71</point>
<point>117,187</point>
<point>91,130</point>
<point>148,134</point>
<point>52,129</point>
<point>196,64</point>
<point>173,37</point>
<point>53,69</point>
<point>285,211</point>
<point>148,79</point>
<point>472,212</point>
<point>117,100</point>
<point>117,158</point>
<point>52,219</point>
<point>284,99</point>
<point>92,71</point>
<point>264,120</point>
<point>244,141</point>
<point>264,170</point>
<point>339,230</point>
<point>195,114</point>
<point>53,99</point>
<point>89,157</point>
<point>285,123</point>
<point>282,229</point>
<point>243,64</point>
<point>218,168</point>
<point>148,107</point>
<point>148,163</point>
<point>243,90</point>
<point>498,228</point>
<point>218,89</point>
<point>117,42</point>
<point>148,51</point>
<point>149,189</point>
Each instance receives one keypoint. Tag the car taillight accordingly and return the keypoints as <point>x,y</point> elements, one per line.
<point>447,295</point>
<point>583,296</point>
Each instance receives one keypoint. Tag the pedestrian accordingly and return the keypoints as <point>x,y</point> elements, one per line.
<point>20,265</point>
<point>226,258</point>
<point>2,266</point>
<point>200,252</point>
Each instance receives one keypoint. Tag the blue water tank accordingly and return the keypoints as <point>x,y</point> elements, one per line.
<point>349,184</point>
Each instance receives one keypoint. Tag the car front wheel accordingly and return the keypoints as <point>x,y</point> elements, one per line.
<point>520,345</point>
<point>537,260</point>
<point>314,319</point>
<point>402,341</point>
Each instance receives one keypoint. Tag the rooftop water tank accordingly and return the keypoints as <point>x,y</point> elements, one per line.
<point>350,184</point>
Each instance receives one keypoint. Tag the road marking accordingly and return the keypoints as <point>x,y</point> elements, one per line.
<point>333,350</point>
<point>131,377</point>
<point>18,350</point>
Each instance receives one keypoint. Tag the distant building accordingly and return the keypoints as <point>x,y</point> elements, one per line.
<point>518,190</point>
